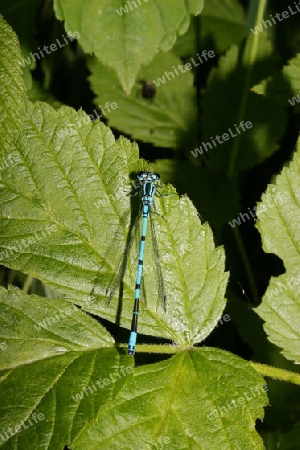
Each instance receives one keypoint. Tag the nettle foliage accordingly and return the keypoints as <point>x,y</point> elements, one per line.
<point>66,216</point>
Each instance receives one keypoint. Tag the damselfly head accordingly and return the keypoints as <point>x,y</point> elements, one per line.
<point>148,176</point>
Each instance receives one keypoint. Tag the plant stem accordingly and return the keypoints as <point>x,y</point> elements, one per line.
<point>247,266</point>
<point>278,374</point>
<point>248,59</point>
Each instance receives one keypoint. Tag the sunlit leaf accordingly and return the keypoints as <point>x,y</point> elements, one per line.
<point>278,224</point>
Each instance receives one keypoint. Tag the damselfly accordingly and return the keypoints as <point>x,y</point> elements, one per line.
<point>149,185</point>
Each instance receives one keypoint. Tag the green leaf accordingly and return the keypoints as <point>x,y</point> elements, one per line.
<point>12,96</point>
<point>44,329</point>
<point>165,409</point>
<point>284,86</point>
<point>49,349</point>
<point>167,120</point>
<point>74,392</point>
<point>66,218</point>
<point>230,83</point>
<point>278,224</point>
<point>118,37</point>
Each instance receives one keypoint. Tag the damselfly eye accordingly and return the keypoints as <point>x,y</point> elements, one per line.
<point>142,175</point>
